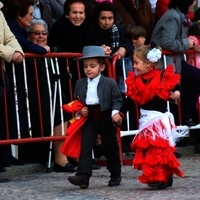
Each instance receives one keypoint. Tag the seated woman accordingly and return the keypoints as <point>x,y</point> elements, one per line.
<point>38,33</point>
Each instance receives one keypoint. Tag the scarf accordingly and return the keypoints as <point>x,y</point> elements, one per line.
<point>114,38</point>
<point>143,88</point>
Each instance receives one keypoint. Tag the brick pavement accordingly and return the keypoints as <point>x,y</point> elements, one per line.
<point>24,184</point>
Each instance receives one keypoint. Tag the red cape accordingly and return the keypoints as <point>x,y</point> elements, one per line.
<point>72,144</point>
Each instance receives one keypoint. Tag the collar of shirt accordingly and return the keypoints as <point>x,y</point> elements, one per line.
<point>95,80</point>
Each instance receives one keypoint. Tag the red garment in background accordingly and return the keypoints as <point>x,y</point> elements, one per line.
<point>162,7</point>
<point>72,144</point>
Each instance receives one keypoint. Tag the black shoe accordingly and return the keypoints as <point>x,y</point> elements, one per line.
<point>94,165</point>
<point>154,184</point>
<point>170,182</point>
<point>67,168</point>
<point>165,185</point>
<point>80,180</point>
<point>178,155</point>
<point>189,122</point>
<point>162,185</point>
<point>114,181</point>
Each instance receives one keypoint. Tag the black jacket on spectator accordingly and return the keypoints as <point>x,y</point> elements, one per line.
<point>22,37</point>
<point>104,37</point>
<point>68,37</point>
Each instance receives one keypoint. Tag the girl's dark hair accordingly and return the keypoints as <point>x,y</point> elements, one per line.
<point>133,31</point>
<point>194,29</point>
<point>68,3</point>
<point>15,8</point>
<point>183,5</point>
<point>104,6</point>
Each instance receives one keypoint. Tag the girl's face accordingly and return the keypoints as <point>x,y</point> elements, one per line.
<point>77,13</point>
<point>38,35</point>
<point>26,20</point>
<point>106,19</point>
<point>92,67</point>
<point>140,66</point>
<point>139,42</point>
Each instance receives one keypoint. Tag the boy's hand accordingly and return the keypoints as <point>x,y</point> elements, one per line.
<point>84,112</point>
<point>175,95</point>
<point>117,119</point>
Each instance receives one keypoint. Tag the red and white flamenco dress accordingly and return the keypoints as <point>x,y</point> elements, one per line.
<point>154,145</point>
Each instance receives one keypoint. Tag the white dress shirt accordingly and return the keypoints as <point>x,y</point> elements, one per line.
<point>91,94</point>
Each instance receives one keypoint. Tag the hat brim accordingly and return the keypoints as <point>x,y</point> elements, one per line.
<point>85,57</point>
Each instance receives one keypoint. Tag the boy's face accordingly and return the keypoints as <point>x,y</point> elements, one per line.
<point>139,42</point>
<point>92,67</point>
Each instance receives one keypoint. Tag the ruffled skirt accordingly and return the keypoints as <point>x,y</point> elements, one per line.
<point>154,150</point>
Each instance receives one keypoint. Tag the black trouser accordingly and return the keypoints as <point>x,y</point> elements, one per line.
<point>190,82</point>
<point>91,129</point>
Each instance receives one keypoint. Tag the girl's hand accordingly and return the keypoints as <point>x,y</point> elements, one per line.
<point>84,112</point>
<point>175,95</point>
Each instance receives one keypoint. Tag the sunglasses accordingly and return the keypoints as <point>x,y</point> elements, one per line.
<point>39,33</point>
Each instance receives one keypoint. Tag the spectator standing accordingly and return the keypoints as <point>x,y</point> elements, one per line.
<point>38,33</point>
<point>176,39</point>
<point>107,33</point>
<point>72,28</point>
<point>71,33</point>
<point>19,14</point>
<point>56,8</point>
<point>136,12</point>
<point>162,7</point>
<point>41,11</point>
<point>194,34</point>
<point>11,51</point>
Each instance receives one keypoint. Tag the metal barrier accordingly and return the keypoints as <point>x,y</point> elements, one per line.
<point>56,60</point>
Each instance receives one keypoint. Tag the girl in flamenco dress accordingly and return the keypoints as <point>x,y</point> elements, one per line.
<point>154,145</point>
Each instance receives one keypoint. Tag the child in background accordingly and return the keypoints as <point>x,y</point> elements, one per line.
<point>154,145</point>
<point>136,34</point>
<point>194,34</point>
<point>102,100</point>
